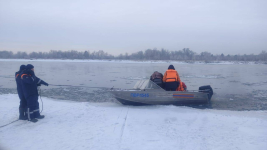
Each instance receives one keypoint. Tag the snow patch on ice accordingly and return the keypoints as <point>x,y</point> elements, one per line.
<point>255,84</point>
<point>133,78</point>
<point>203,76</point>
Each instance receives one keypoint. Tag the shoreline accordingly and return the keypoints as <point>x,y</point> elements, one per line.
<point>74,125</point>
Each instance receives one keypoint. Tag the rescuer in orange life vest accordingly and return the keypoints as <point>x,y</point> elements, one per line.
<point>172,80</point>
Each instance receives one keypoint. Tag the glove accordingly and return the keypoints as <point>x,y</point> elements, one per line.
<point>44,83</point>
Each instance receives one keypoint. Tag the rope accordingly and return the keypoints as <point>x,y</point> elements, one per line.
<point>40,92</point>
<point>9,123</point>
<point>75,86</point>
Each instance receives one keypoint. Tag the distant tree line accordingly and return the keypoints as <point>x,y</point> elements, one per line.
<point>150,54</point>
<point>57,54</point>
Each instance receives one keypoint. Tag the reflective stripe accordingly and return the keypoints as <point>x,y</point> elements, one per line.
<point>32,79</point>
<point>39,81</point>
<point>171,79</point>
<point>35,110</point>
<point>28,112</point>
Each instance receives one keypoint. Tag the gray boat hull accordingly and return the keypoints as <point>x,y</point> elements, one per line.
<point>159,97</point>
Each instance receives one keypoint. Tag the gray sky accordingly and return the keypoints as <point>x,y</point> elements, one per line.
<point>120,26</point>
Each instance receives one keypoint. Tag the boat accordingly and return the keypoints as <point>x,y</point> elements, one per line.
<point>146,92</point>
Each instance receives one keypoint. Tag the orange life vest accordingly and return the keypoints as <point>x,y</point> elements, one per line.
<point>170,76</point>
<point>173,76</point>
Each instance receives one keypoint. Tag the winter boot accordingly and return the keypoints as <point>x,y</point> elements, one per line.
<point>22,115</point>
<point>33,120</point>
<point>40,117</point>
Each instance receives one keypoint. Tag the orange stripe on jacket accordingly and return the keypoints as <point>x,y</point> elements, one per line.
<point>23,75</point>
<point>172,76</point>
<point>17,75</point>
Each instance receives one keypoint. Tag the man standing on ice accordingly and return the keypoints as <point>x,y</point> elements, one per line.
<point>29,86</point>
<point>23,103</point>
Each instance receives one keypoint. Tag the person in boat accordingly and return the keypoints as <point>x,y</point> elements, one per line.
<point>29,86</point>
<point>172,80</point>
<point>23,102</point>
<point>157,78</point>
<point>184,86</point>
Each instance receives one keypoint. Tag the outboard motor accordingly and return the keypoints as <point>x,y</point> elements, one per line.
<point>206,89</point>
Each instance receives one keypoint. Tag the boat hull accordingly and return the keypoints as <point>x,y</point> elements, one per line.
<point>159,97</point>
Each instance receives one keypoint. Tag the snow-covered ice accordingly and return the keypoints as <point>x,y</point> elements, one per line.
<point>112,126</point>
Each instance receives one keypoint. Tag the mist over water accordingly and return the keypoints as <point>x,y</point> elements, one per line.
<point>236,86</point>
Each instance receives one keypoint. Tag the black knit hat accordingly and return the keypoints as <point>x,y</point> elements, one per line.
<point>22,67</point>
<point>29,66</point>
<point>171,67</point>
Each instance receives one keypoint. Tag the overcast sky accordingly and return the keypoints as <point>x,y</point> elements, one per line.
<point>120,26</point>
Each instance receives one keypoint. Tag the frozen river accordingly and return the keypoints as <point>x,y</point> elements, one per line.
<point>236,86</point>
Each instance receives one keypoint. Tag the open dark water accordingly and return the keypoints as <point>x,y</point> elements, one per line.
<point>236,86</point>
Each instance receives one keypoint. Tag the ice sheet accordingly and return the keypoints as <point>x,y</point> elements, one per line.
<point>101,126</point>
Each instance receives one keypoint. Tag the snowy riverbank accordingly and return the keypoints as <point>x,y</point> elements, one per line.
<point>111,126</point>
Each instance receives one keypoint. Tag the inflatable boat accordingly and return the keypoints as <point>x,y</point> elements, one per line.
<point>146,92</point>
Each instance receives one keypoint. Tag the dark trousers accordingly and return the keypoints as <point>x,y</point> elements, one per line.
<point>23,103</point>
<point>22,107</point>
<point>171,86</point>
<point>32,107</point>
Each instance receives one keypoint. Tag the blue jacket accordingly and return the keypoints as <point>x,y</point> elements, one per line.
<point>19,86</point>
<point>29,84</point>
